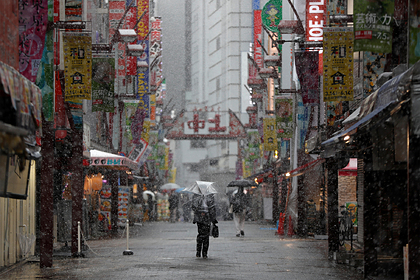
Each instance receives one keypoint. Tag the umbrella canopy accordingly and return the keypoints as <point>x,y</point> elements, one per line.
<point>146,193</point>
<point>202,188</point>
<point>169,186</point>
<point>180,190</point>
<point>242,183</point>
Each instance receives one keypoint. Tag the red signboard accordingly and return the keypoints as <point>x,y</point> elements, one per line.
<point>315,21</point>
<point>143,25</point>
<point>258,56</point>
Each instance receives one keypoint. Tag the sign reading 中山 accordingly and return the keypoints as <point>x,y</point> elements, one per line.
<point>338,64</point>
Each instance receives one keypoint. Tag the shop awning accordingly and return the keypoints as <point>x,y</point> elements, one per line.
<point>381,100</point>
<point>100,158</point>
<point>353,129</point>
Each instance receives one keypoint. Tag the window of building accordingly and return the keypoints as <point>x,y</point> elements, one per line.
<point>197,144</point>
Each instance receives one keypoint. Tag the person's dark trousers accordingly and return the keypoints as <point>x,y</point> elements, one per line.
<point>203,238</point>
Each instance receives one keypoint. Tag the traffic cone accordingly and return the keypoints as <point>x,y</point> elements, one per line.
<point>280,228</point>
<point>290,227</point>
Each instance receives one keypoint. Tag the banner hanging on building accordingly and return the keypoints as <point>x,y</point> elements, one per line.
<point>373,21</point>
<point>258,55</point>
<point>272,14</point>
<point>270,136</point>
<point>307,71</point>
<point>284,117</point>
<point>103,71</point>
<point>33,19</point>
<point>338,64</point>
<point>77,66</point>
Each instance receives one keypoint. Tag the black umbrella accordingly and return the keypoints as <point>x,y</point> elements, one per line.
<point>242,183</point>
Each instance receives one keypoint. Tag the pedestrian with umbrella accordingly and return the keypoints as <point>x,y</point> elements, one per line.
<point>204,208</point>
<point>238,204</point>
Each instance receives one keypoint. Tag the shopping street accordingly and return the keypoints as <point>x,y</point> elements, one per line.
<point>163,250</point>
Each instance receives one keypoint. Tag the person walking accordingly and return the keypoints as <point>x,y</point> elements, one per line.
<point>238,204</point>
<point>204,209</point>
<point>173,206</point>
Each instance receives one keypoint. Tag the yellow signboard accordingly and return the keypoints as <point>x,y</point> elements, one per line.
<point>77,66</point>
<point>338,64</point>
<point>270,135</point>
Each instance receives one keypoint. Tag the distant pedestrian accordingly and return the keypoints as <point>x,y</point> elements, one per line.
<point>204,215</point>
<point>173,206</point>
<point>238,204</point>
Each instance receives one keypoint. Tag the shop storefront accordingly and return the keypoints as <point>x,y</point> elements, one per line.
<point>20,117</point>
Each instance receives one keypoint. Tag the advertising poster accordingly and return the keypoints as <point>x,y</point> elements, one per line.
<point>338,64</point>
<point>33,20</point>
<point>105,207</point>
<point>284,118</point>
<point>373,21</point>
<point>103,84</point>
<point>373,66</point>
<point>123,201</point>
<point>77,66</point>
<point>270,136</point>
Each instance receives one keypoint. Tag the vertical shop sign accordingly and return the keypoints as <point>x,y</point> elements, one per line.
<point>315,22</point>
<point>373,21</point>
<point>143,75</point>
<point>103,71</point>
<point>77,66</point>
<point>131,19</point>
<point>270,137</point>
<point>284,117</point>
<point>338,64</point>
<point>33,19</point>
<point>258,37</point>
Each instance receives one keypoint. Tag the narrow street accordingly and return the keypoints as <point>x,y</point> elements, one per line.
<point>164,250</point>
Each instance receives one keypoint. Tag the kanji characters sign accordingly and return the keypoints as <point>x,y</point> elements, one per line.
<point>338,64</point>
<point>77,66</point>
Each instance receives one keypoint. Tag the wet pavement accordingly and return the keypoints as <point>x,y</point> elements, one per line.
<point>163,250</point>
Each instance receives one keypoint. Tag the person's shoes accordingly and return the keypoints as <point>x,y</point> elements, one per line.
<point>198,254</point>
<point>242,233</point>
<point>204,256</point>
<point>238,235</point>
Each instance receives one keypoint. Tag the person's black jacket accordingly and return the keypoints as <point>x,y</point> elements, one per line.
<point>201,216</point>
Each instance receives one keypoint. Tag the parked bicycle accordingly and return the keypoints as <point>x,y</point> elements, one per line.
<point>345,222</point>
